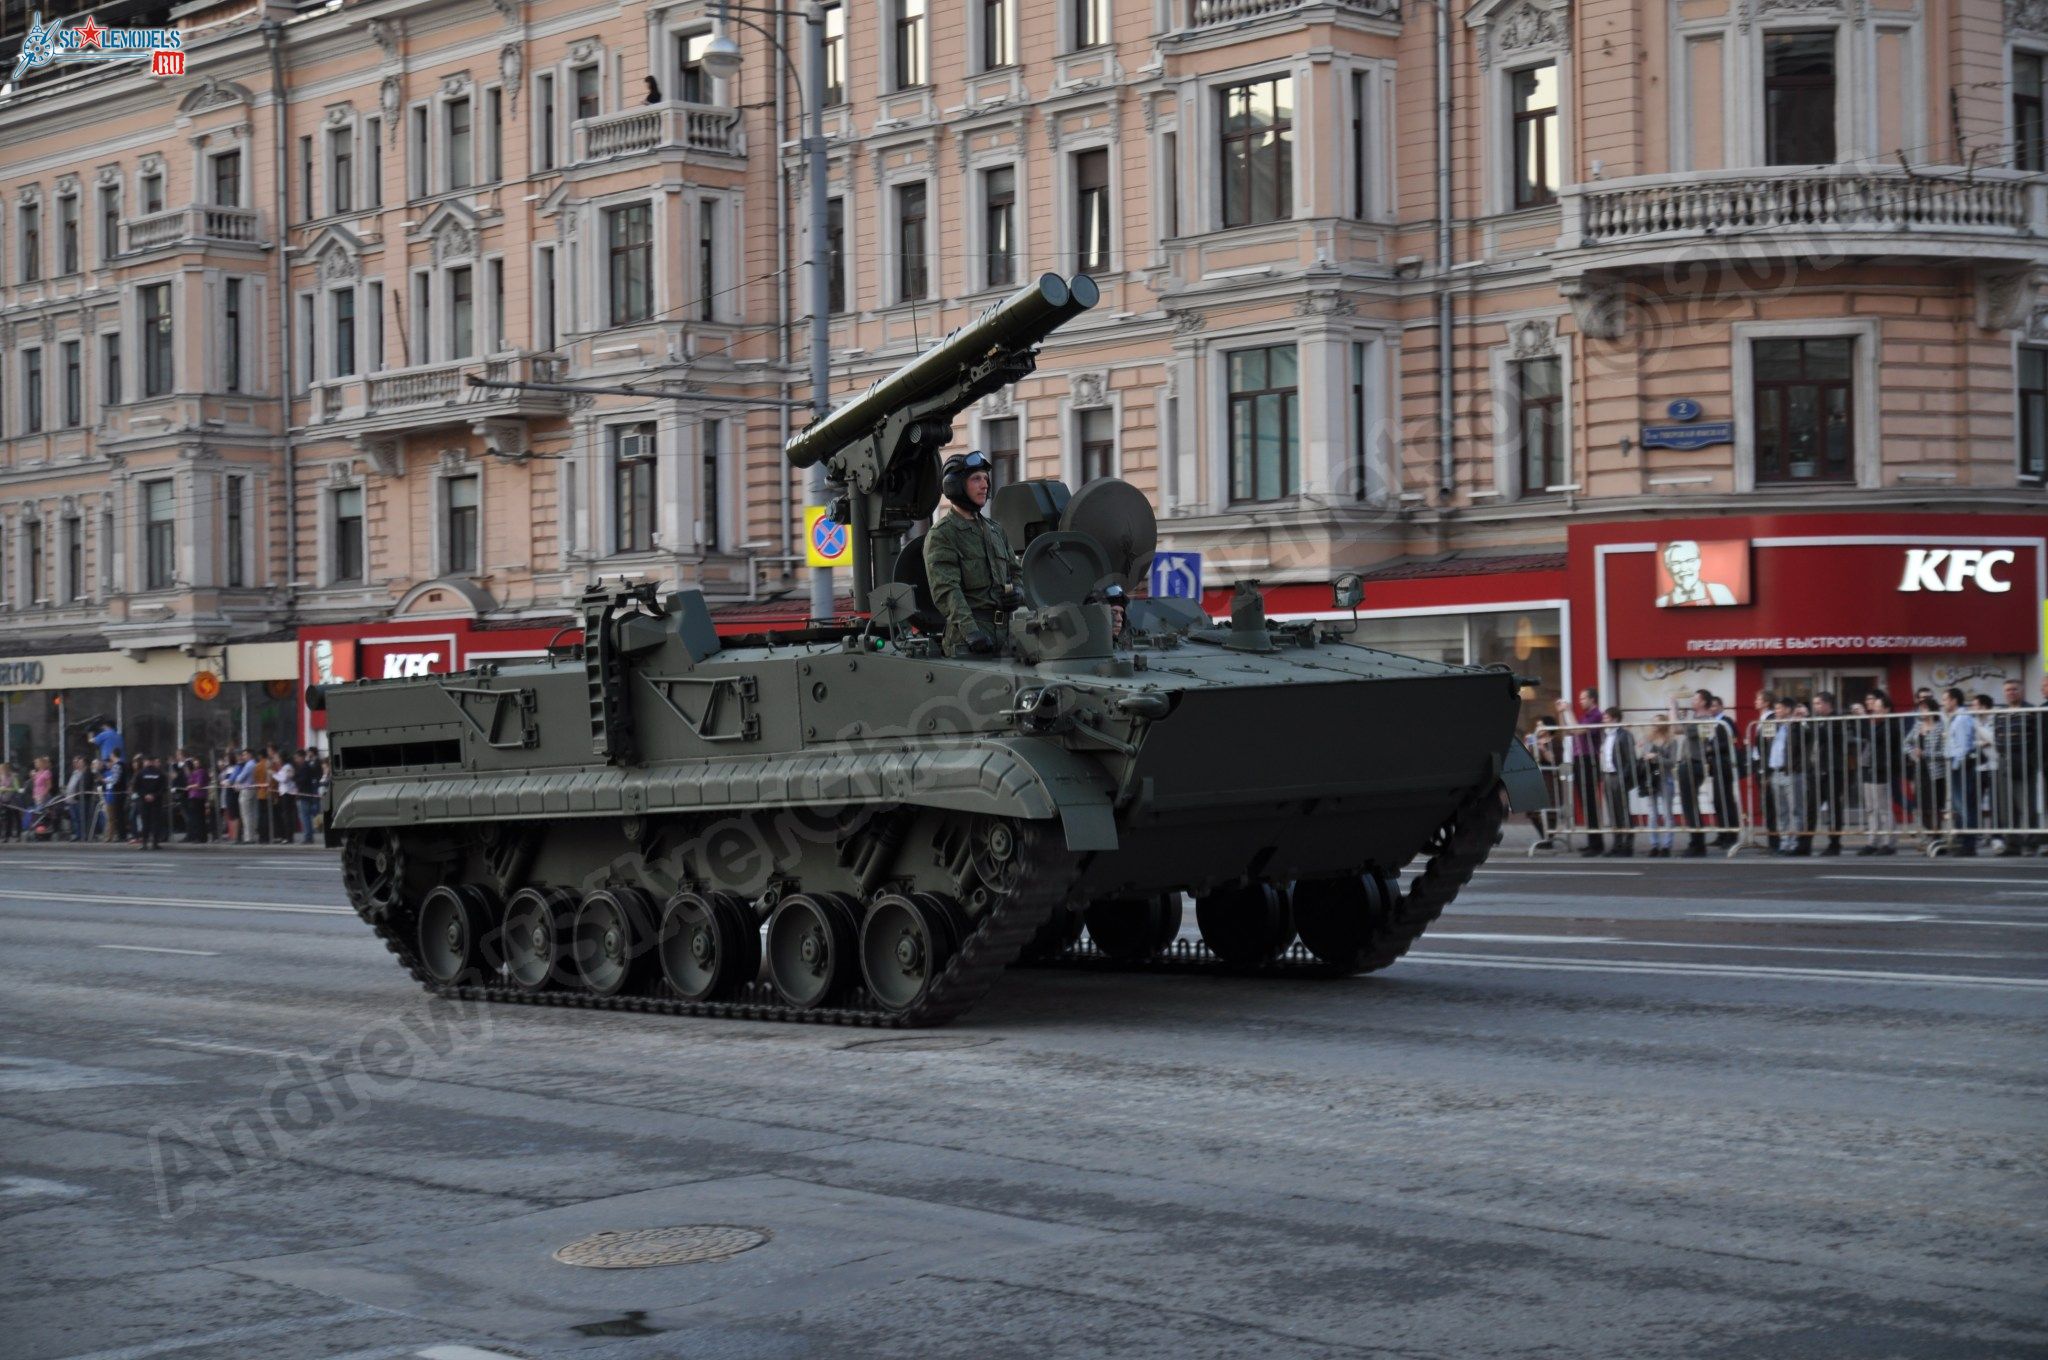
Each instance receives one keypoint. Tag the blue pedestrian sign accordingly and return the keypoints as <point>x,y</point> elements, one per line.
<point>1177,575</point>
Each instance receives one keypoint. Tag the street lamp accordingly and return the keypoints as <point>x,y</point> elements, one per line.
<point>723,58</point>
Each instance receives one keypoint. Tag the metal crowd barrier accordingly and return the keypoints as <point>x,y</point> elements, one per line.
<point>110,817</point>
<point>1933,783</point>
<point>1671,786</point>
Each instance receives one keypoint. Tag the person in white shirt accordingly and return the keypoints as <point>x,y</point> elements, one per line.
<point>1962,768</point>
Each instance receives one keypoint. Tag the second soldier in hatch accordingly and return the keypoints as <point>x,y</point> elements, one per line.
<point>967,559</point>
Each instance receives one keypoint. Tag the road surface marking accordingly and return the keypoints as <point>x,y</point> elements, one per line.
<point>101,899</point>
<point>1528,939</point>
<point>219,1341</point>
<point>1761,972</point>
<point>1844,917</point>
<point>1894,878</point>
<point>159,949</point>
<point>208,1046</point>
<point>1533,872</point>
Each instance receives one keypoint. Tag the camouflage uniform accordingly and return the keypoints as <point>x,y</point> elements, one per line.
<point>970,566</point>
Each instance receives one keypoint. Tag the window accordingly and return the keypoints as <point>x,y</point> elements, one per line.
<point>461,312</point>
<point>348,533</point>
<point>31,242</point>
<point>1169,180</point>
<point>1804,421</point>
<point>74,384</point>
<point>156,340</point>
<point>110,368</point>
<point>1265,417</point>
<point>1361,436</point>
<point>633,487</point>
<point>911,70</point>
<point>2033,413</point>
<point>707,259</point>
<point>1091,22</point>
<point>153,192</point>
<point>912,267</point>
<point>227,179</point>
<point>110,223</point>
<point>32,391</point>
<point>544,117</point>
<point>1098,443</point>
<point>1539,400</point>
<point>629,238</point>
<point>835,254</point>
<point>305,341</point>
<point>306,208</point>
<point>1361,160</point>
<point>494,338</point>
<point>1799,98</point>
<point>584,82</point>
<point>999,224</point>
<point>494,135</point>
<point>33,530</point>
<point>835,55</point>
<point>1091,211</point>
<point>67,234</point>
<point>341,170</point>
<point>236,562</point>
<point>74,557</point>
<point>710,498</point>
<point>2028,151</point>
<point>344,360</point>
<point>159,536</point>
<point>1533,101</point>
<point>459,539</point>
<point>376,320</point>
<point>416,153</point>
<point>996,49</point>
<point>373,162</point>
<point>455,121</point>
<point>545,287</point>
<point>694,84</point>
<point>1258,152</point>
<point>999,438</point>
<point>231,335</point>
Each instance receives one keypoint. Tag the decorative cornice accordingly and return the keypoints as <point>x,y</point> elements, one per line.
<point>2026,19</point>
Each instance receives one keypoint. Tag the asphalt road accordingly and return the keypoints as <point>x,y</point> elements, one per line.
<point>1605,1110</point>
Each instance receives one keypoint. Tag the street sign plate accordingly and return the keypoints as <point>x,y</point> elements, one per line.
<point>1177,575</point>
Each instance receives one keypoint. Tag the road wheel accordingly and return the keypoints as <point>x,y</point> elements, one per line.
<point>1247,925</point>
<point>1131,930</point>
<point>710,945</point>
<point>905,942</point>
<point>613,940</point>
<point>811,952</point>
<point>1341,919</point>
<point>535,937</point>
<point>458,935</point>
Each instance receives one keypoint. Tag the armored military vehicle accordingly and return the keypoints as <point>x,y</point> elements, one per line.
<point>841,823</point>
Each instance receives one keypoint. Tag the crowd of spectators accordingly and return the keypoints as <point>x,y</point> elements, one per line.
<point>267,797</point>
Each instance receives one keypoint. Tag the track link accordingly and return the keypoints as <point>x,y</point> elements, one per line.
<point>968,975</point>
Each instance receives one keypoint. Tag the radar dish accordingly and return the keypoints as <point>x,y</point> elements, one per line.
<point>1027,509</point>
<point>1119,518</point>
<point>1062,568</point>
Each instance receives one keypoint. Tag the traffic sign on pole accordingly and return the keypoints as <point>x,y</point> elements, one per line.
<point>1177,575</point>
<point>827,542</point>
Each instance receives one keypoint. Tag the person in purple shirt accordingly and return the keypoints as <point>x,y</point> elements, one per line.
<point>1585,754</point>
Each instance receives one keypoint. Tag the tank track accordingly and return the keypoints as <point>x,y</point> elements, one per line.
<point>1459,848</point>
<point>980,960</point>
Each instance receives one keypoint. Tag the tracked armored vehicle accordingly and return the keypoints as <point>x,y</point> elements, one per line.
<point>841,823</point>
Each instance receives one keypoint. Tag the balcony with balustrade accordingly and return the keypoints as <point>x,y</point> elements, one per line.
<point>402,401</point>
<point>1202,20</point>
<point>1983,218</point>
<point>195,226</point>
<point>681,130</point>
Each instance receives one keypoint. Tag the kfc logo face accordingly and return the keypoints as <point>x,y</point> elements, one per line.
<point>1692,574</point>
<point>398,665</point>
<point>1949,569</point>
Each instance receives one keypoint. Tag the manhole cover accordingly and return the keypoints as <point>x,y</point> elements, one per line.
<point>682,1246</point>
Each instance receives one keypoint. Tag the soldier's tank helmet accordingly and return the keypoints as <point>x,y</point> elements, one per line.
<point>953,478</point>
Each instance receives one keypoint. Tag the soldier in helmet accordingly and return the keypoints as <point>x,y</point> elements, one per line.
<point>967,558</point>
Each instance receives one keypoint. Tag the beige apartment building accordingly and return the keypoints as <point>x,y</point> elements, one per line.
<point>388,326</point>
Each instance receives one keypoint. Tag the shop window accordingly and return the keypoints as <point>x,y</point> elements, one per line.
<point>1258,151</point>
<point>913,278</point>
<point>999,439</point>
<point>1799,98</point>
<point>2027,132</point>
<point>1533,134</point>
<point>348,534</point>
<point>1264,423</point>
<point>1098,444</point>
<point>630,241</point>
<point>912,58</point>
<point>2033,413</point>
<point>1436,637</point>
<point>999,225</point>
<point>1539,401</point>
<point>1805,423</point>
<point>459,528</point>
<point>1093,220</point>
<point>159,536</point>
<point>633,470</point>
<point>1528,642</point>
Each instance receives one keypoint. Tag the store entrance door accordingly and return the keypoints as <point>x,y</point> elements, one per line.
<point>1850,684</point>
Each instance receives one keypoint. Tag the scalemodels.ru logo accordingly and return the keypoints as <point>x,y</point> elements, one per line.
<point>47,44</point>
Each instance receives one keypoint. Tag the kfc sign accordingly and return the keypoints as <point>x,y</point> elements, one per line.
<point>1692,574</point>
<point>1949,569</point>
<point>400,664</point>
